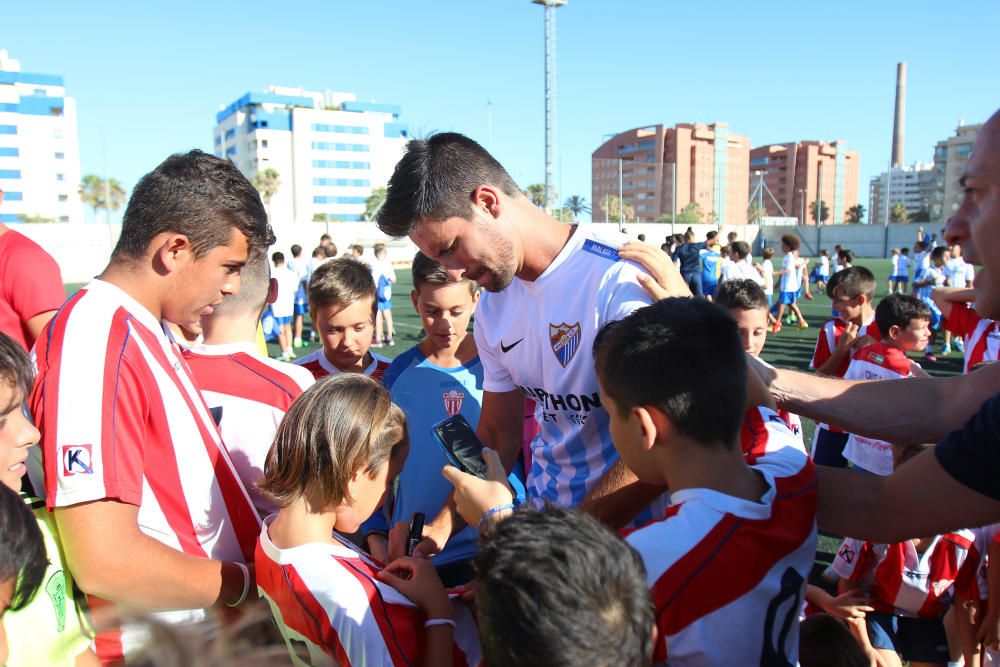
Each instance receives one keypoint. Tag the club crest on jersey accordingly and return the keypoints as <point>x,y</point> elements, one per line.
<point>876,358</point>
<point>76,460</point>
<point>452,401</point>
<point>565,340</point>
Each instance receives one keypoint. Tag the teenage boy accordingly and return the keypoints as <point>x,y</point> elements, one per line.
<point>151,511</point>
<point>247,393</point>
<point>851,291</point>
<point>728,562</point>
<point>791,279</point>
<point>342,309</point>
<point>980,335</point>
<point>905,322</point>
<point>439,377</point>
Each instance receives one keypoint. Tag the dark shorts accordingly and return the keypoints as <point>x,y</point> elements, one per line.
<point>300,308</point>
<point>707,288</point>
<point>914,639</point>
<point>693,281</point>
<point>899,279</point>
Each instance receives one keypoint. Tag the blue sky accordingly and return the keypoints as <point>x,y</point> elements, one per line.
<point>148,78</point>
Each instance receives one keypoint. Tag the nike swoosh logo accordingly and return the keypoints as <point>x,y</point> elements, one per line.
<point>508,348</point>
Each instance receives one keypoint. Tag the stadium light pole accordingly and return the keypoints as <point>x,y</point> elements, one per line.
<point>550,90</point>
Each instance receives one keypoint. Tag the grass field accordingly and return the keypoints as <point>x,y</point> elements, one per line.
<point>790,348</point>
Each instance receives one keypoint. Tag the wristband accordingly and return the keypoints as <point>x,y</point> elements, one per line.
<point>431,622</point>
<point>246,585</point>
<point>496,510</point>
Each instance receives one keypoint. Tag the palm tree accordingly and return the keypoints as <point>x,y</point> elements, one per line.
<point>898,213</point>
<point>856,214</point>
<point>536,193</point>
<point>116,193</point>
<point>755,213</point>
<point>267,183</point>
<point>373,203</point>
<point>615,210</point>
<point>99,193</point>
<point>824,211</point>
<point>576,205</point>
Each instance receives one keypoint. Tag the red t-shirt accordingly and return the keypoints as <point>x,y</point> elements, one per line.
<point>30,284</point>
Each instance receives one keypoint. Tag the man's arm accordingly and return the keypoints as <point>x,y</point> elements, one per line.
<point>944,297</point>
<point>619,496</point>
<point>906,411</point>
<point>111,558</point>
<point>920,498</point>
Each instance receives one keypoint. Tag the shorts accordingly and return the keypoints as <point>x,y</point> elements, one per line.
<point>787,298</point>
<point>282,321</point>
<point>707,288</point>
<point>899,279</point>
<point>384,305</point>
<point>914,639</point>
<point>936,317</point>
<point>300,308</point>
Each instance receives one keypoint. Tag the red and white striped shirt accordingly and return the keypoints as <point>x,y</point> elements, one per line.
<point>905,582</point>
<point>728,576</point>
<point>248,396</point>
<point>328,600</point>
<point>765,431</point>
<point>980,335</point>
<point>874,362</point>
<point>317,364</point>
<point>121,418</point>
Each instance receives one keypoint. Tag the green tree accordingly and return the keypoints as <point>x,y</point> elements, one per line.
<point>95,193</point>
<point>692,214</point>
<point>36,218</point>
<point>855,214</point>
<point>615,211</point>
<point>755,213</point>
<point>923,215</point>
<point>267,183</point>
<point>373,203</point>
<point>536,193</point>
<point>824,211</point>
<point>898,213</point>
<point>576,205</point>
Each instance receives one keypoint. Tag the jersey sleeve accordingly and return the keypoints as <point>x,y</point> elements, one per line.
<point>967,582</point>
<point>496,377</point>
<point>971,454</point>
<point>33,283</point>
<point>822,352</point>
<point>92,454</point>
<point>848,563</point>
<point>963,320</point>
<point>626,294</point>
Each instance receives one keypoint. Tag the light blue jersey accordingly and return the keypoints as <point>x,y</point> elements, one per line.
<point>428,394</point>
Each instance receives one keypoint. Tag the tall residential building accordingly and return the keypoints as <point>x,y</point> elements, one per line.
<point>792,173</point>
<point>329,150</point>
<point>912,186</point>
<point>708,163</point>
<point>39,150</point>
<point>950,156</point>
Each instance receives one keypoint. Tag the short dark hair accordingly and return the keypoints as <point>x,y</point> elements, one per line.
<point>277,256</point>
<point>791,240</point>
<point>642,237</point>
<point>710,236</point>
<point>905,250</point>
<point>319,251</point>
<point>682,356</point>
<point>330,249</point>
<point>855,281</point>
<point>436,178</point>
<point>826,641</point>
<point>741,248</point>
<point>296,250</point>
<point>742,294</point>
<point>426,271</point>
<point>22,549</point>
<point>938,252</point>
<point>899,310</point>
<point>16,370</point>
<point>846,256</point>
<point>198,195</point>
<point>555,587</point>
<point>340,282</point>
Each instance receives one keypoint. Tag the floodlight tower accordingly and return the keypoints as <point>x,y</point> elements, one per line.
<point>550,91</point>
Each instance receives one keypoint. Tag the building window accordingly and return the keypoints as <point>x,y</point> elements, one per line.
<point>646,145</point>
<point>60,177</point>
<point>63,218</point>
<point>8,129</point>
<point>13,196</point>
<point>63,198</point>
<point>57,134</point>
<point>342,129</point>
<point>340,164</point>
<point>331,146</point>
<point>263,143</point>
<point>60,155</point>
<point>9,151</point>
<point>11,174</point>
<point>338,200</point>
<point>230,133</point>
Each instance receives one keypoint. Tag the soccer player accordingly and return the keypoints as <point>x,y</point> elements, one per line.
<point>933,276</point>
<point>335,455</point>
<point>893,270</point>
<point>342,304</point>
<point>384,276</point>
<point>910,584</point>
<point>150,509</point>
<point>301,269</point>
<point>689,256</point>
<point>283,307</point>
<point>247,393</point>
<point>980,335</point>
<point>711,265</point>
<point>550,286</point>
<point>851,291</point>
<point>904,322</point>
<point>440,377</point>
<point>791,279</point>
<point>727,563</point>
<point>903,270</point>
<point>740,268</point>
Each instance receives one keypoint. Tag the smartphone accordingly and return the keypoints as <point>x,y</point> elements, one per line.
<point>461,446</point>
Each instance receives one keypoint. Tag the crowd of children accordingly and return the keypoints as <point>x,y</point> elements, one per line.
<point>337,488</point>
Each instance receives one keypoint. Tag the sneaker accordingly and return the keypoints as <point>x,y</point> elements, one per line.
<point>946,350</point>
<point>809,297</point>
<point>929,356</point>
<point>803,324</point>
<point>389,341</point>
<point>284,357</point>
<point>297,343</point>
<point>776,327</point>
<point>791,320</point>
<point>377,343</point>
<point>959,344</point>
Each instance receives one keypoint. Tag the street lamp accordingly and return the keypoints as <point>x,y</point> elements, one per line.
<point>550,86</point>
<point>802,199</point>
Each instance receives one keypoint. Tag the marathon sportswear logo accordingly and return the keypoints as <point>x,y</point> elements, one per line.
<point>507,348</point>
<point>577,403</point>
<point>76,460</point>
<point>452,401</point>
<point>601,249</point>
<point>565,340</point>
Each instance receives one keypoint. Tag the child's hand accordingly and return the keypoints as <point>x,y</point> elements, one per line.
<point>989,630</point>
<point>846,340</point>
<point>850,605</point>
<point>378,547</point>
<point>417,579</point>
<point>473,495</point>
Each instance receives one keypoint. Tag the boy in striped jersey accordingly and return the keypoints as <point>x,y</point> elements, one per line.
<point>342,306</point>
<point>980,335</point>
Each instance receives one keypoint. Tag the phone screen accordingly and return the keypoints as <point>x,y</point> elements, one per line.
<point>461,445</point>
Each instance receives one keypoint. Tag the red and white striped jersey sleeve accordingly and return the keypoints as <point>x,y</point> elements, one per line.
<point>980,335</point>
<point>719,566</point>
<point>825,343</point>
<point>765,431</point>
<point>329,603</point>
